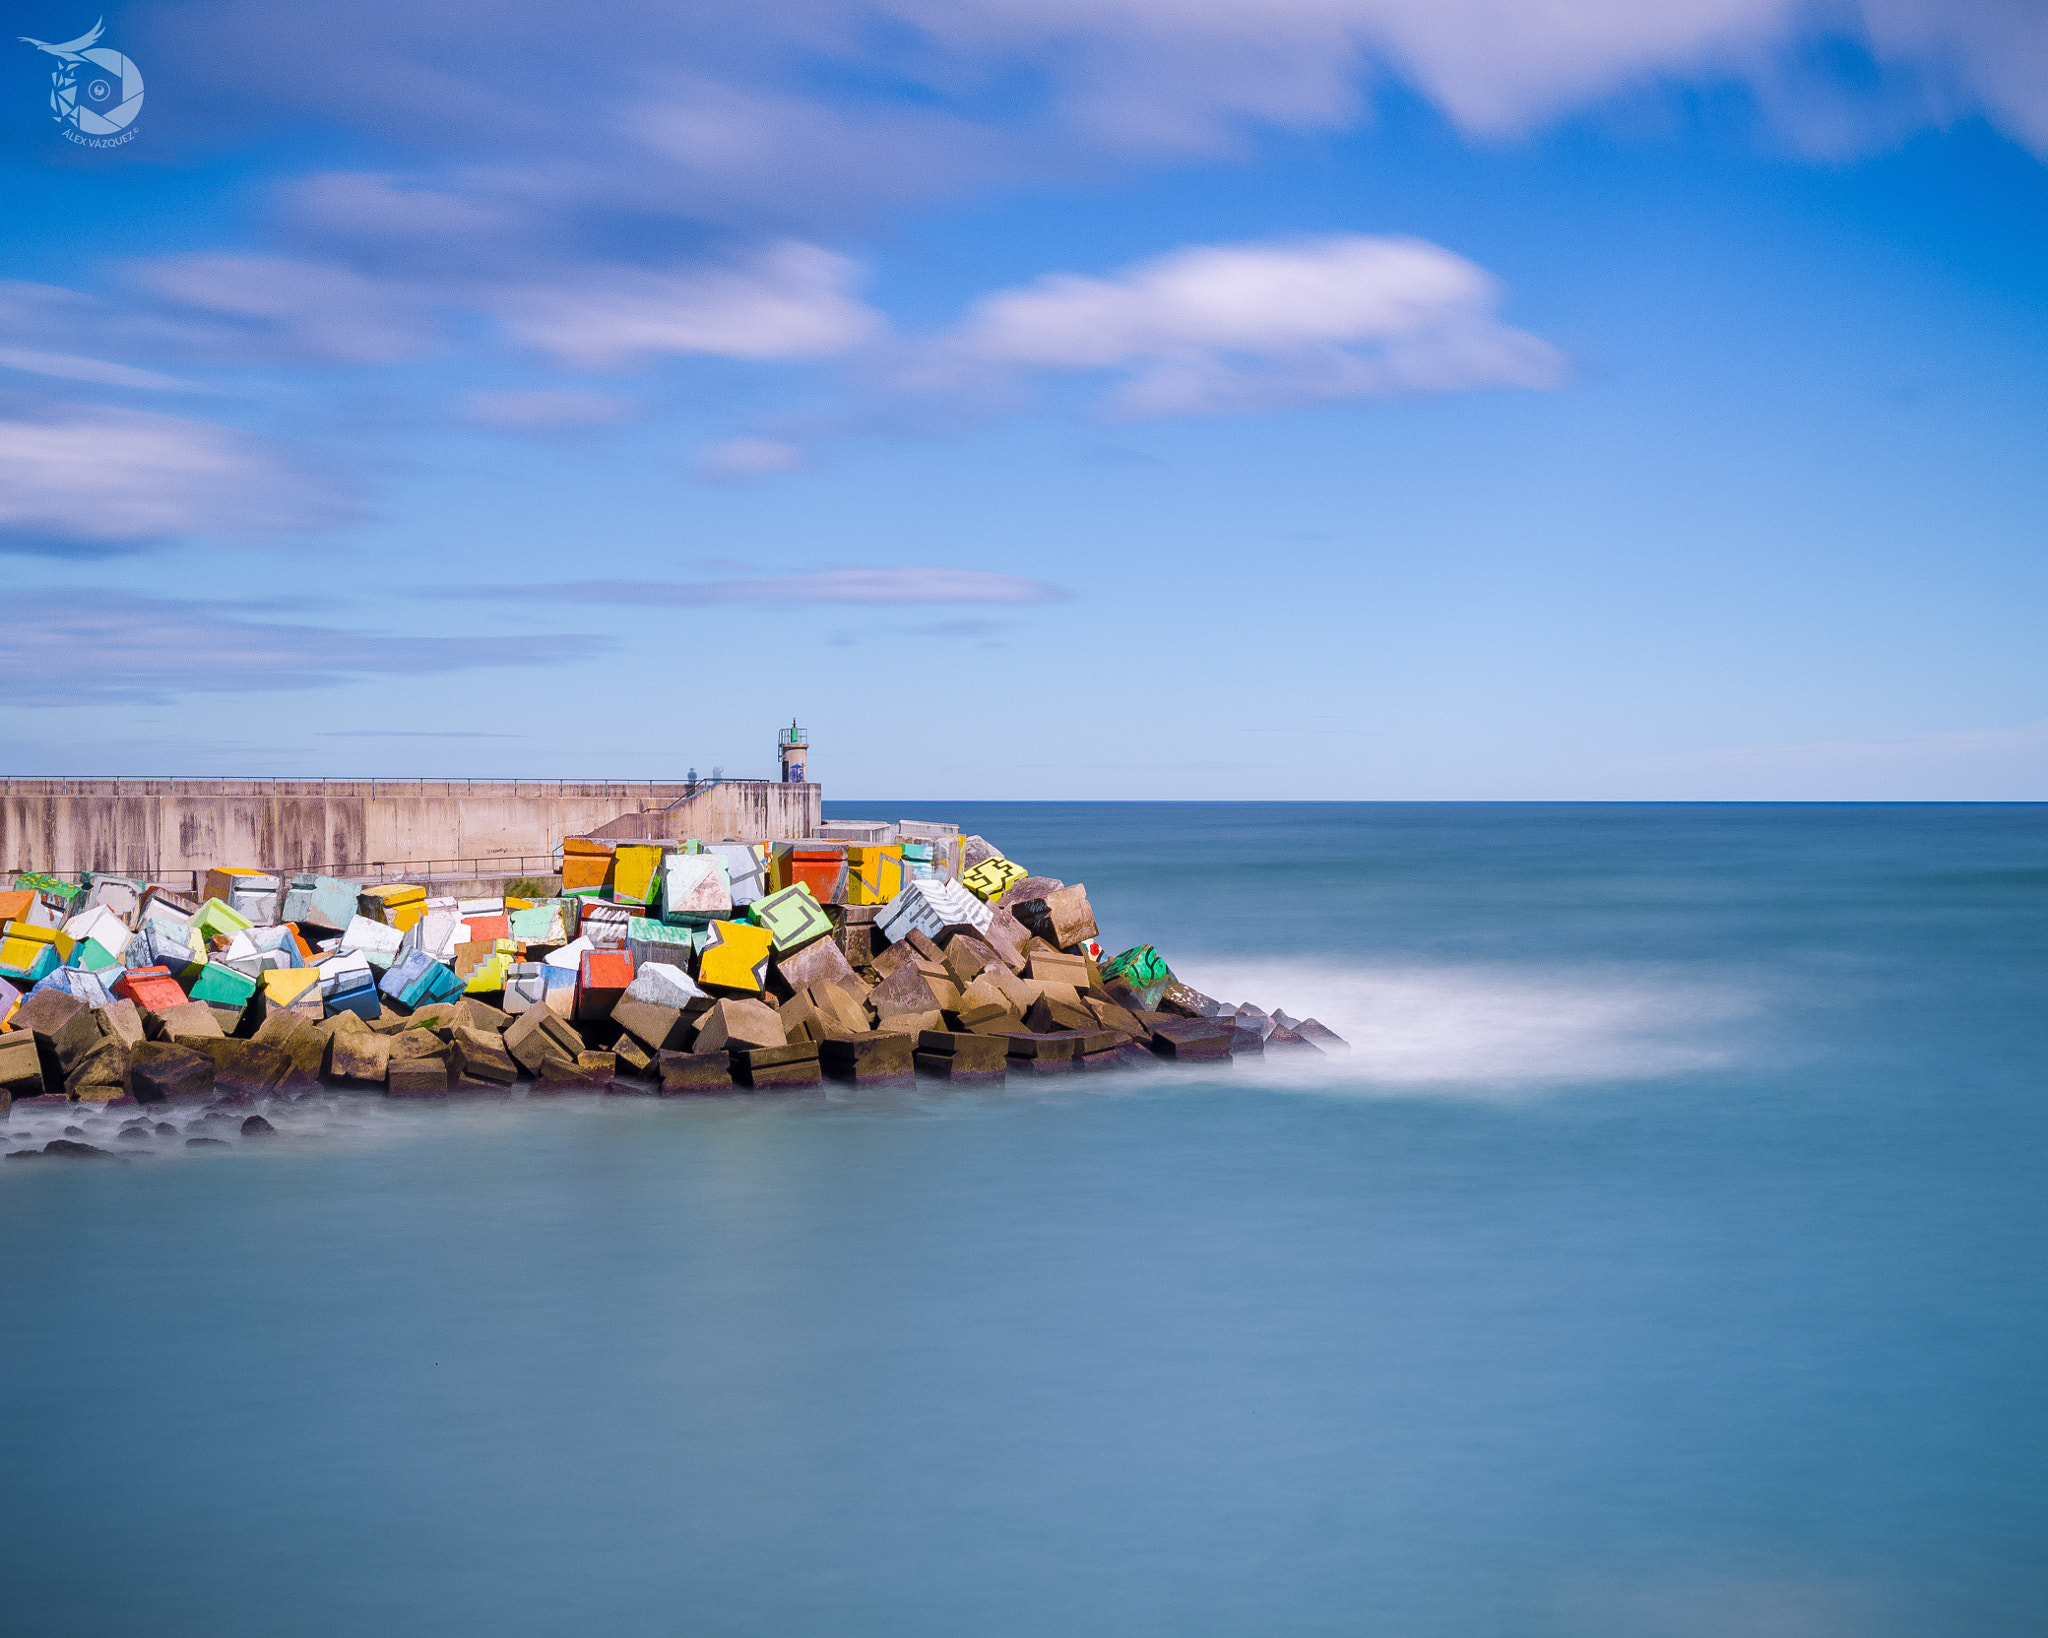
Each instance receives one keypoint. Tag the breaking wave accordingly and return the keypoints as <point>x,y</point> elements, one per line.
<point>1487,1028</point>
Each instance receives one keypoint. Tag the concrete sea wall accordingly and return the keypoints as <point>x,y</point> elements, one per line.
<point>160,827</point>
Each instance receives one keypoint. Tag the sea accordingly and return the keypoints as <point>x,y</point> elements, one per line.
<point>1666,1258</point>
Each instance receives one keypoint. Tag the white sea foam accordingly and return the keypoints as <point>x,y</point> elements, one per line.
<point>1488,1029</point>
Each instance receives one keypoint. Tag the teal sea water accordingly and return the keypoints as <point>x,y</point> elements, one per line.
<point>1669,1258</point>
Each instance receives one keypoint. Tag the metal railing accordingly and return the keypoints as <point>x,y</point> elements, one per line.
<point>153,785</point>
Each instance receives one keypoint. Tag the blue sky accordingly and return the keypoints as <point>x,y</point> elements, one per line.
<point>1328,399</point>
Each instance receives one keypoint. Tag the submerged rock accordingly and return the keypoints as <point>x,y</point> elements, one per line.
<point>76,1151</point>
<point>257,1126</point>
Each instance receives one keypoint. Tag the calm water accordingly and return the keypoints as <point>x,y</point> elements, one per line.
<point>1670,1258</point>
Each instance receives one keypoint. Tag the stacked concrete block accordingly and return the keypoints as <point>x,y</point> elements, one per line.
<point>711,968</point>
<point>930,906</point>
<point>695,889</point>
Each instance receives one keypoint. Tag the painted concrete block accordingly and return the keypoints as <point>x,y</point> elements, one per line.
<point>152,989</point>
<point>651,940</point>
<point>604,924</point>
<point>793,916</point>
<point>545,923</point>
<point>220,985</point>
<point>601,981</point>
<point>25,960</point>
<point>745,870</point>
<point>696,887</point>
<point>289,989</point>
<point>396,904</point>
<point>929,905</point>
<point>736,958</point>
<point>118,894</point>
<point>526,986</point>
<point>636,870</point>
<point>874,874</point>
<point>100,924</point>
<point>662,984</point>
<point>989,879</point>
<point>586,865</point>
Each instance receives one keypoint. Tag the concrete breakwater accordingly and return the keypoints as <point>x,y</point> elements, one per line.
<point>162,829</point>
<point>869,954</point>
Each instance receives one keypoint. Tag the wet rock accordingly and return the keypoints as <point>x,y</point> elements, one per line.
<point>68,1150</point>
<point>74,1131</point>
<point>207,1143</point>
<point>257,1126</point>
<point>134,1134</point>
<point>165,1129</point>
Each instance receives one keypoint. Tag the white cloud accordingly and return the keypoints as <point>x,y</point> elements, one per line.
<point>323,310</point>
<point>738,459</point>
<point>74,367</point>
<point>144,648</point>
<point>1217,328</point>
<point>538,409</point>
<point>85,479</point>
<point>788,302</point>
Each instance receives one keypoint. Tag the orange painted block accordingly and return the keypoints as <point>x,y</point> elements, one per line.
<point>584,872</point>
<point>14,905</point>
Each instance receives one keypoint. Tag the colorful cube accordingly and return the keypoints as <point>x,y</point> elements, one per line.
<point>222,986</point>
<point>987,880</point>
<point>736,958</point>
<point>820,866</point>
<point>586,865</point>
<point>745,870</point>
<point>874,875</point>
<point>395,904</point>
<point>152,989</point>
<point>636,870</point>
<point>601,981</point>
<point>793,917</point>
<point>219,919</point>
<point>293,989</point>
<point>25,960</point>
<point>695,888</point>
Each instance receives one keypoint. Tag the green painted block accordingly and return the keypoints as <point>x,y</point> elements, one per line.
<point>215,917</point>
<point>66,894</point>
<point>223,986</point>
<point>792,917</point>
<point>94,957</point>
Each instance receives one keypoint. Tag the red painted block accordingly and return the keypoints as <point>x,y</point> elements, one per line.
<point>152,989</point>
<point>601,981</point>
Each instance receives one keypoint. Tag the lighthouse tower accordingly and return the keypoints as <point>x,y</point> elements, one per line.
<point>792,743</point>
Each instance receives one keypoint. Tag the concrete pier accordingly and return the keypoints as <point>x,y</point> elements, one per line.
<point>155,827</point>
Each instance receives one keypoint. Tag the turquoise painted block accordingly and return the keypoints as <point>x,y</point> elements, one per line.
<point>222,985</point>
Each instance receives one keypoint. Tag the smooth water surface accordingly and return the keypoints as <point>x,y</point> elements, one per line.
<point>1669,1258</point>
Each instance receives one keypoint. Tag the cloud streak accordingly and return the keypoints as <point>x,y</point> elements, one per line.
<point>145,649</point>
<point>878,588</point>
<point>84,481</point>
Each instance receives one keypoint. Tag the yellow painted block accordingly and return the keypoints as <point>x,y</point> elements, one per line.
<point>874,875</point>
<point>633,873</point>
<point>287,986</point>
<point>487,977</point>
<point>737,956</point>
<point>220,880</point>
<point>987,880</point>
<point>63,941</point>
<point>396,904</point>
<point>519,904</point>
